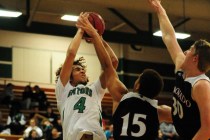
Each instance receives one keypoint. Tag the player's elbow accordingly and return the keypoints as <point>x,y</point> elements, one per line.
<point>115,63</point>
<point>167,38</point>
<point>117,97</point>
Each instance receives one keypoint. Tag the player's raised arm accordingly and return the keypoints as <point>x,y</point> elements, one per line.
<point>70,56</point>
<point>111,53</point>
<point>118,88</point>
<point>109,64</point>
<point>98,44</point>
<point>113,58</point>
<point>168,33</point>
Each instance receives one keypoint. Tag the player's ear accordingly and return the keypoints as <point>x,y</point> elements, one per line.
<point>137,87</point>
<point>195,58</point>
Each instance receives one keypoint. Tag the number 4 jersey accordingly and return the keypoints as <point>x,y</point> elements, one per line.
<point>80,110</point>
<point>185,112</point>
<point>136,118</point>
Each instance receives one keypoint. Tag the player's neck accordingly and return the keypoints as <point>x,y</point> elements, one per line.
<point>193,73</point>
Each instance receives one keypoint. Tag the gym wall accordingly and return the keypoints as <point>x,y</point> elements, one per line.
<point>36,57</point>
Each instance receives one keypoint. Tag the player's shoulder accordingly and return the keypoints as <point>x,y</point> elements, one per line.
<point>201,90</point>
<point>198,79</point>
<point>202,83</point>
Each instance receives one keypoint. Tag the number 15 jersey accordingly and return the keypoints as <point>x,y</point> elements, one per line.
<point>136,118</point>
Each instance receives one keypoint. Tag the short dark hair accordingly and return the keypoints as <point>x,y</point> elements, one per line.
<point>81,62</point>
<point>202,49</point>
<point>151,83</point>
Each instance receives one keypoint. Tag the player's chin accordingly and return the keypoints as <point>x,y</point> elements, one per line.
<point>84,82</point>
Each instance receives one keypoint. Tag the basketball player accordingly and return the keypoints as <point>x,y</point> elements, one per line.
<point>191,94</point>
<point>135,115</point>
<point>79,103</point>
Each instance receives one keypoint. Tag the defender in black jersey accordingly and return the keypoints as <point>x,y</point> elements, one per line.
<point>185,111</point>
<point>191,94</point>
<point>135,114</point>
<point>136,118</point>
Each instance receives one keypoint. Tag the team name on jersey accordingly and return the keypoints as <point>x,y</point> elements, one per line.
<point>182,98</point>
<point>77,91</point>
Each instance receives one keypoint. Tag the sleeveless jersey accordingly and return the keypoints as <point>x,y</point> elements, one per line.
<point>80,110</point>
<point>185,112</point>
<point>136,118</point>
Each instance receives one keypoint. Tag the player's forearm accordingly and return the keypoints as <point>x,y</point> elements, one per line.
<point>114,106</point>
<point>202,134</point>
<point>166,27</point>
<point>164,114</point>
<point>168,35</point>
<point>75,43</point>
<point>111,53</point>
<point>101,52</point>
<point>70,56</point>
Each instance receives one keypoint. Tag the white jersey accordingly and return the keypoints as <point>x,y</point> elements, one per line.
<point>80,110</point>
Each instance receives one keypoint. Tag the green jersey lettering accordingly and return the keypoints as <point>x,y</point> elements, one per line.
<point>78,91</point>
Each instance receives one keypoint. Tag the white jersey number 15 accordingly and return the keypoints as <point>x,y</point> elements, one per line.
<point>142,126</point>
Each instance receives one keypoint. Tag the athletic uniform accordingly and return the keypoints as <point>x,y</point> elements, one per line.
<point>185,112</point>
<point>80,110</point>
<point>136,118</point>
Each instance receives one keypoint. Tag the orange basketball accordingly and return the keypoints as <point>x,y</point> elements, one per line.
<point>97,22</point>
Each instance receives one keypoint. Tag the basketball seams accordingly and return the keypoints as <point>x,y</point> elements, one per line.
<point>97,22</point>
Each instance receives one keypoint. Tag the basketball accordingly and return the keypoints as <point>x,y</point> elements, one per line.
<point>97,22</point>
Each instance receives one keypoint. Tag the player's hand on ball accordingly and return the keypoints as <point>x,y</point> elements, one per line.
<point>85,25</point>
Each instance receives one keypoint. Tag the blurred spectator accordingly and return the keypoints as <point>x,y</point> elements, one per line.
<point>55,135</point>
<point>33,126</point>
<point>47,128</point>
<point>37,115</point>
<point>52,117</point>
<point>27,97</point>
<point>168,131</point>
<point>58,125</point>
<point>39,98</point>
<point>8,95</point>
<point>15,121</point>
<point>109,132</point>
<point>33,135</point>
